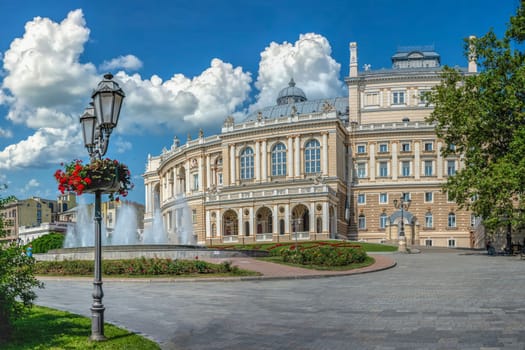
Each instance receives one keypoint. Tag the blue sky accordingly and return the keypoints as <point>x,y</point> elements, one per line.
<point>186,65</point>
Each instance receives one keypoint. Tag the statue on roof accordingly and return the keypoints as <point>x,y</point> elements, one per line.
<point>201,133</point>
<point>327,107</point>
<point>229,121</point>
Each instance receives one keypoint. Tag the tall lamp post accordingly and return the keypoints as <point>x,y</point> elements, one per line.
<point>402,204</point>
<point>98,122</point>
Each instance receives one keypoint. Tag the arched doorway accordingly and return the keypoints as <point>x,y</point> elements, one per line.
<point>230,223</point>
<point>409,224</point>
<point>300,222</point>
<point>264,220</point>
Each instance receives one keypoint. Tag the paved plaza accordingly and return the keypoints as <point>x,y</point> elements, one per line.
<point>439,299</point>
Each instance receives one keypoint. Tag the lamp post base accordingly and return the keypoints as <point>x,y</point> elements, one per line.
<point>402,245</point>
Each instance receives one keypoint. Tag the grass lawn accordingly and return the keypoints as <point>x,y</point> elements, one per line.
<point>279,260</point>
<point>368,247</point>
<point>46,328</point>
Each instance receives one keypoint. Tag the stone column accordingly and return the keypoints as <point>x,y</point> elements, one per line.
<point>233,177</point>
<point>325,154</point>
<point>201,173</point>
<point>439,161</point>
<point>297,163</point>
<point>208,224</point>
<point>326,218</point>
<point>264,161</point>
<point>240,223</point>
<point>312,218</point>
<point>187,177</point>
<point>147,208</point>
<point>219,224</point>
<point>252,223</point>
<point>209,178</point>
<point>289,153</point>
<point>417,160</point>
<point>257,161</point>
<point>372,168</point>
<point>275,218</point>
<point>287,228</point>
<point>395,171</point>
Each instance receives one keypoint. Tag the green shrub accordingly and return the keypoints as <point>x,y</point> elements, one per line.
<point>135,267</point>
<point>324,255</point>
<point>47,242</point>
<point>16,287</point>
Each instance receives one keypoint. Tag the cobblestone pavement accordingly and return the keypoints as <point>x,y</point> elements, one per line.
<point>433,300</point>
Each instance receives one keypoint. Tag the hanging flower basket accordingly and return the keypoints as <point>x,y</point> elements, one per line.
<point>103,175</point>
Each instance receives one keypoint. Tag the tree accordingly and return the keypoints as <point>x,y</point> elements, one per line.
<point>16,282</point>
<point>481,118</point>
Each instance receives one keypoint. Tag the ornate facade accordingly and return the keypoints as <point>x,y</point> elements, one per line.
<point>310,170</point>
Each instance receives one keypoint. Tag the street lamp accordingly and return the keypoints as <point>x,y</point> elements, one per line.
<point>98,122</point>
<point>402,204</point>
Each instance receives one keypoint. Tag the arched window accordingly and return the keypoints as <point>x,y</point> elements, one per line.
<point>279,160</point>
<point>362,222</point>
<point>451,220</point>
<point>429,220</point>
<point>281,227</point>
<point>312,157</point>
<point>319,225</point>
<point>382,221</point>
<point>246,228</point>
<point>246,163</point>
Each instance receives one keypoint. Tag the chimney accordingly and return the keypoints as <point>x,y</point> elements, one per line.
<point>353,59</point>
<point>472,66</point>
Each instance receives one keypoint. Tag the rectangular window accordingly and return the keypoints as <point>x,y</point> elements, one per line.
<point>423,97</point>
<point>383,169</point>
<point>451,220</point>
<point>361,170</point>
<point>398,98</point>
<point>429,197</point>
<point>195,182</point>
<point>429,220</point>
<point>428,242</point>
<point>361,149</point>
<point>382,221</point>
<point>405,147</point>
<point>194,216</point>
<point>473,220</point>
<point>406,196</point>
<point>451,167</point>
<point>405,168</point>
<point>429,171</point>
<point>220,178</point>
<point>451,243</point>
<point>429,146</point>
<point>372,99</point>
<point>383,147</point>
<point>361,199</point>
<point>362,222</point>
<point>383,198</point>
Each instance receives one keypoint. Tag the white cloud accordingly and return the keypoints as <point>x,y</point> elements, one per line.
<point>182,104</point>
<point>47,146</point>
<point>308,61</point>
<point>122,145</point>
<point>128,62</point>
<point>6,133</point>
<point>43,70</point>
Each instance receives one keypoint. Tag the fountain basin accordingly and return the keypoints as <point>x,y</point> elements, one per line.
<point>171,251</point>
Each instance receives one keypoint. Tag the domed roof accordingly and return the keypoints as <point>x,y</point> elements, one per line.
<point>291,94</point>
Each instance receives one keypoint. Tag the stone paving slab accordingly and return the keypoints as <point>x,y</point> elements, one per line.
<point>437,301</point>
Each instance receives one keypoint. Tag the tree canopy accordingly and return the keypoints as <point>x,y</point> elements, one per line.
<point>481,118</point>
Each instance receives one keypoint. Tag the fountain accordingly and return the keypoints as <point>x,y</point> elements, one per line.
<point>126,241</point>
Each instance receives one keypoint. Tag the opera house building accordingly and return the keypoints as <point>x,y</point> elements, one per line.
<point>319,169</point>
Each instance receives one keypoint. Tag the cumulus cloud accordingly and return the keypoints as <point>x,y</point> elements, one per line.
<point>180,103</point>
<point>6,133</point>
<point>122,145</point>
<point>308,61</point>
<point>47,146</point>
<point>128,62</point>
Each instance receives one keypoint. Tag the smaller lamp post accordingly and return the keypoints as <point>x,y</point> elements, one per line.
<point>98,122</point>
<point>402,204</point>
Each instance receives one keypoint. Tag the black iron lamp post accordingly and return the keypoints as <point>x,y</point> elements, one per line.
<point>98,122</point>
<point>402,204</point>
